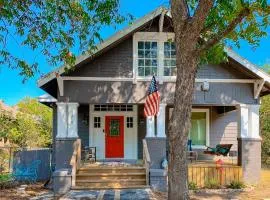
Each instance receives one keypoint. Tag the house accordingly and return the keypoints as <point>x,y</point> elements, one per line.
<point>101,102</point>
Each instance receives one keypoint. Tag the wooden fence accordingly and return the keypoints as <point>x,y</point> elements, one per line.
<point>224,175</point>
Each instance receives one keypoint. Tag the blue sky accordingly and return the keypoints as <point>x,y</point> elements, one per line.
<point>12,89</point>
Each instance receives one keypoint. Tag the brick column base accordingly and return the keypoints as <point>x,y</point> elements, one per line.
<point>249,157</point>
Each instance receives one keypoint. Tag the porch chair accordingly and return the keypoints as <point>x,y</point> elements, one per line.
<point>220,149</point>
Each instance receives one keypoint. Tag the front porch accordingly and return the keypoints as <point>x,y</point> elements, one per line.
<point>117,131</point>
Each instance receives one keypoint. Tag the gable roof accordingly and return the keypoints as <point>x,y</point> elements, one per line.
<point>245,64</point>
<point>114,38</point>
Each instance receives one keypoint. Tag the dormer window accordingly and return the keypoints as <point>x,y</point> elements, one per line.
<point>147,58</point>
<point>153,54</point>
<point>169,59</point>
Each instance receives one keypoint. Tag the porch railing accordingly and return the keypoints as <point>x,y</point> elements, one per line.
<point>147,160</point>
<point>75,161</point>
<point>202,175</point>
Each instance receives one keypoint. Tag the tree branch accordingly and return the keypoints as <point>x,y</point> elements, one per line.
<point>201,13</point>
<point>180,12</point>
<point>221,34</point>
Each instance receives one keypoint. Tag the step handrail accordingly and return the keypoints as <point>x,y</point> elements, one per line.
<point>75,161</point>
<point>147,160</point>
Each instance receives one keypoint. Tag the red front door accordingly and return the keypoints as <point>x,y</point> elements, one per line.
<point>114,139</point>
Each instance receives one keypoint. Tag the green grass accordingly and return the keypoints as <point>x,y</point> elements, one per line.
<point>236,185</point>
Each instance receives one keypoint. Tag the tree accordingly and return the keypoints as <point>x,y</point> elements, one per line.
<point>202,29</point>
<point>54,28</point>
<point>31,126</point>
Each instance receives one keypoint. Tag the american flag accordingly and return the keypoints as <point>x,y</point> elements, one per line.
<point>151,106</point>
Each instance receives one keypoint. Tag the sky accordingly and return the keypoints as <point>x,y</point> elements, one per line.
<point>13,90</point>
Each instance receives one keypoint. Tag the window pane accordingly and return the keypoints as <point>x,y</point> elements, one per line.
<point>147,45</point>
<point>141,45</point>
<point>153,54</point>
<point>141,53</point>
<point>167,71</point>
<point>154,71</point>
<point>198,128</point>
<point>141,71</point>
<point>147,62</point>
<point>167,62</point>
<point>141,62</point>
<point>166,54</point>
<point>166,46</point>
<point>154,62</point>
<point>154,45</point>
<point>147,71</point>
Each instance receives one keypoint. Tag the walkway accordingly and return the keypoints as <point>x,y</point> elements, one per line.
<point>125,194</point>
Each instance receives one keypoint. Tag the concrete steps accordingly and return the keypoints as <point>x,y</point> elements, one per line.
<point>110,177</point>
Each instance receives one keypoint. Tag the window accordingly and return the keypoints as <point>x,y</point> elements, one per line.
<point>169,59</point>
<point>115,127</point>
<point>112,107</point>
<point>129,122</point>
<point>147,58</point>
<point>96,122</point>
<point>199,128</point>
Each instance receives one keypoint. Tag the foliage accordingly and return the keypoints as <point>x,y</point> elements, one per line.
<point>265,129</point>
<point>4,159</point>
<point>192,186</point>
<point>53,28</point>
<point>236,185</point>
<point>212,184</point>
<point>31,127</point>
<point>5,177</point>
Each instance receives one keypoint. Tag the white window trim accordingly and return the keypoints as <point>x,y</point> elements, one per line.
<point>206,110</point>
<point>160,38</point>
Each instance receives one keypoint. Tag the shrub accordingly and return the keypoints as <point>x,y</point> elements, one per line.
<point>212,184</point>
<point>236,185</point>
<point>192,186</point>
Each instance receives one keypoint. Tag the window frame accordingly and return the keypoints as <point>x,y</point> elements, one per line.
<point>160,38</point>
<point>204,110</point>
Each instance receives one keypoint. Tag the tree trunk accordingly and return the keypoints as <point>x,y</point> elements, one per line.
<point>180,121</point>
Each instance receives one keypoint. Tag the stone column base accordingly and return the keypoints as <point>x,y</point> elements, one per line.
<point>64,148</point>
<point>249,157</point>
<point>157,150</point>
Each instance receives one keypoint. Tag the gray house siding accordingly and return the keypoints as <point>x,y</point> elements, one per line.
<point>117,62</point>
<point>83,124</point>
<point>223,128</point>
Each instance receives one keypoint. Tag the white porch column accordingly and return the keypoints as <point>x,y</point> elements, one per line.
<point>248,123</point>
<point>254,121</point>
<point>67,120</point>
<point>161,117</point>
<point>150,126</point>
<point>61,120</point>
<point>73,120</point>
<point>243,121</point>
<point>249,143</point>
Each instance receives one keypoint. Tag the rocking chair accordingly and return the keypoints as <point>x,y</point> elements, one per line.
<point>220,149</point>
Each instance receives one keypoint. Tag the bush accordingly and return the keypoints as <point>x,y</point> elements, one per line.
<point>212,184</point>
<point>192,186</point>
<point>6,181</point>
<point>236,185</point>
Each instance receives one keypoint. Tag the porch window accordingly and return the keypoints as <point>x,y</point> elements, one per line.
<point>96,122</point>
<point>199,128</point>
<point>169,59</point>
<point>129,122</point>
<point>147,58</point>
